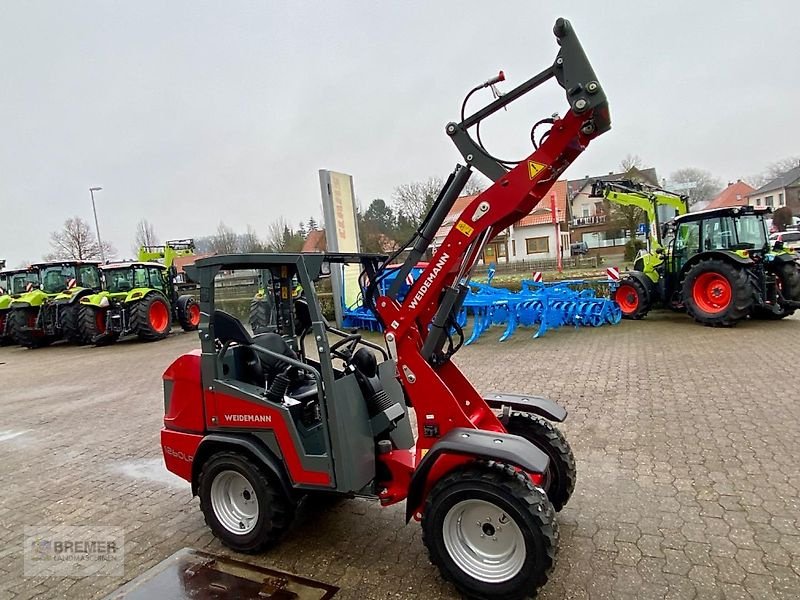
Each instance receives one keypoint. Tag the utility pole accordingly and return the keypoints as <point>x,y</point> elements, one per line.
<point>92,190</point>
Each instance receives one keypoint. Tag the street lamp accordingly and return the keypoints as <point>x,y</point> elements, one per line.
<point>92,190</point>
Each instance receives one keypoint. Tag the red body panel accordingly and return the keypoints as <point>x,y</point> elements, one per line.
<point>179,449</point>
<point>226,412</point>
<point>184,410</point>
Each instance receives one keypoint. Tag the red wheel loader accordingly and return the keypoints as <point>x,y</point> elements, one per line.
<point>258,422</point>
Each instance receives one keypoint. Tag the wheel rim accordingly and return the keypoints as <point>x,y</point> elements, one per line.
<point>100,321</point>
<point>627,298</point>
<point>159,316</point>
<point>234,502</point>
<point>484,541</point>
<point>194,315</point>
<point>712,292</point>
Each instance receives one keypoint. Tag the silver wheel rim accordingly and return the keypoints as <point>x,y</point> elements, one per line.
<point>484,541</point>
<point>234,502</point>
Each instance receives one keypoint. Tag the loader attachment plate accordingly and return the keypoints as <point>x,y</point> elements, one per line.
<point>191,574</point>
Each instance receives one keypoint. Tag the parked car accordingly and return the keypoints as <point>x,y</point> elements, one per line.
<point>578,248</point>
<point>790,239</point>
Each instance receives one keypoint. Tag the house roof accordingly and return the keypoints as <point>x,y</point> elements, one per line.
<point>315,241</point>
<point>182,261</point>
<point>458,207</point>
<point>542,214</point>
<point>785,180</point>
<point>733,195</point>
<point>574,186</point>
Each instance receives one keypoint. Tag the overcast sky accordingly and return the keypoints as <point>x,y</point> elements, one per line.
<point>191,113</point>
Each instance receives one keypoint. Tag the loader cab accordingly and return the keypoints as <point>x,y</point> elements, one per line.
<point>329,394</point>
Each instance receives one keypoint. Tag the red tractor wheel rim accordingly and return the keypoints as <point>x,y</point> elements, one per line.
<point>100,321</point>
<point>627,298</point>
<point>159,316</point>
<point>712,293</point>
<point>194,315</point>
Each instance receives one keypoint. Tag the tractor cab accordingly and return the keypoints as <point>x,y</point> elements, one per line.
<point>330,397</point>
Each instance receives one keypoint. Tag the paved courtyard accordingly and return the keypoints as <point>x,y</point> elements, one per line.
<point>687,443</point>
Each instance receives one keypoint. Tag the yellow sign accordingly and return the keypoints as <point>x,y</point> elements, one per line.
<point>464,228</point>
<point>535,168</point>
<point>345,231</point>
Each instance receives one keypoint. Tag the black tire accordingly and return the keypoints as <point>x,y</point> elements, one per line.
<point>741,300</point>
<point>70,323</point>
<point>91,322</point>
<point>516,499</point>
<point>561,473</point>
<point>632,299</point>
<point>788,274</point>
<point>275,509</point>
<point>261,315</point>
<point>6,331</point>
<point>188,312</point>
<point>19,318</point>
<point>143,325</point>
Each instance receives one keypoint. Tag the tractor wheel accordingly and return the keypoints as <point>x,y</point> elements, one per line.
<point>188,313</point>
<point>632,299</point>
<point>717,293</point>
<point>70,324</point>
<point>93,322</point>
<point>559,481</point>
<point>6,333</point>
<point>151,318</point>
<point>22,321</point>
<point>788,276</point>
<point>260,315</point>
<point>490,532</point>
<point>245,509</point>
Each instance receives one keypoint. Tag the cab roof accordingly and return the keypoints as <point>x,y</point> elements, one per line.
<point>66,263</point>
<point>128,265</point>
<point>724,211</point>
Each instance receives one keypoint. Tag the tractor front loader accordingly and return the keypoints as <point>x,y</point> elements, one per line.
<point>258,422</point>
<point>717,265</point>
<point>138,298</point>
<point>49,311</point>
<point>13,283</point>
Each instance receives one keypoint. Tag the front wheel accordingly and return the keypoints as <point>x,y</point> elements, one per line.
<point>717,293</point>
<point>559,480</point>
<point>490,532</point>
<point>244,508</point>
<point>188,313</point>
<point>70,323</point>
<point>93,324</point>
<point>632,299</point>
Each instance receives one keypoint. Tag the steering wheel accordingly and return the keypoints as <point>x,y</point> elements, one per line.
<point>349,343</point>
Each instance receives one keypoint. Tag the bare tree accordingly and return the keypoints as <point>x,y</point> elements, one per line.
<point>275,234</point>
<point>698,184</point>
<point>630,162</point>
<point>475,185</point>
<point>225,241</point>
<point>412,200</point>
<point>77,241</point>
<point>145,234</point>
<point>775,169</point>
<point>250,242</point>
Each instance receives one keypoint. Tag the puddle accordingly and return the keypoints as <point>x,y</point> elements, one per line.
<point>153,470</point>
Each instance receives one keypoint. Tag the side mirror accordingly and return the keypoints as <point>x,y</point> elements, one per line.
<point>325,269</point>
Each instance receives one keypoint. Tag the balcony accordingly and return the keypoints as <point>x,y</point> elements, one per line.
<point>590,220</point>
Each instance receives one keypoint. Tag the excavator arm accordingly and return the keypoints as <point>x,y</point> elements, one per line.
<point>419,328</point>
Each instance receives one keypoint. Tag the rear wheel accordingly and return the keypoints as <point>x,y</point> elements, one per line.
<point>247,510</point>
<point>717,293</point>
<point>188,313</point>
<point>490,532</point>
<point>22,322</point>
<point>559,481</point>
<point>260,315</point>
<point>632,299</point>
<point>150,317</point>
<point>93,322</point>
<point>6,335</point>
<point>70,323</point>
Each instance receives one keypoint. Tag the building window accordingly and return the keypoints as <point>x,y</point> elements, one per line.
<point>585,211</point>
<point>768,201</point>
<point>537,245</point>
<point>780,199</point>
<point>758,201</point>
<point>513,247</point>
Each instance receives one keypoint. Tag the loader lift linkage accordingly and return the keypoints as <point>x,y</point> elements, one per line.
<point>256,423</point>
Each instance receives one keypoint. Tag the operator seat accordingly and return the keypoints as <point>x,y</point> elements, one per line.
<point>301,386</point>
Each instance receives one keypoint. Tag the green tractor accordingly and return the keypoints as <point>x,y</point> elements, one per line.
<point>13,284</point>
<point>138,298</point>
<point>718,266</point>
<point>49,311</point>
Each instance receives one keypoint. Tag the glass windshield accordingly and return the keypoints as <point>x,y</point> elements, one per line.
<point>119,280</point>
<point>18,283</point>
<point>56,278</point>
<point>89,277</point>
<point>751,232</point>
